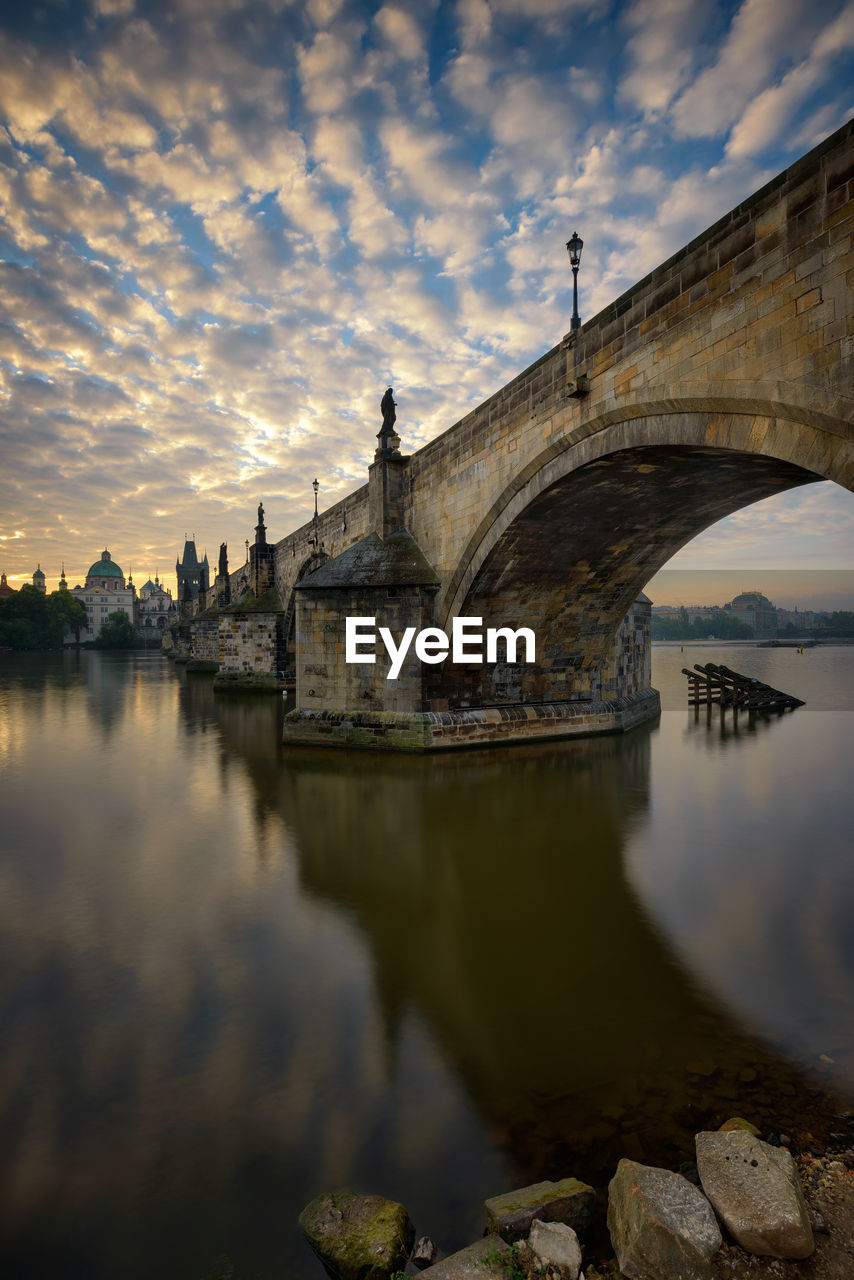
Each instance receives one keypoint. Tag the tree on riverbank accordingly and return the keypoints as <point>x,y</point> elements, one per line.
<point>118,632</point>
<point>31,620</point>
<point>723,626</point>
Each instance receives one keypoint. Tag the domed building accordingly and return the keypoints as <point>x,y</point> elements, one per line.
<point>757,611</point>
<point>105,592</point>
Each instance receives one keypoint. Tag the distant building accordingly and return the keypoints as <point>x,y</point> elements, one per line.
<point>157,609</point>
<point>757,611</point>
<point>38,580</point>
<point>5,589</point>
<point>193,574</point>
<point>800,619</point>
<point>105,592</point>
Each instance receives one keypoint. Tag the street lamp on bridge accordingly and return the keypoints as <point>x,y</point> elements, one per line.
<point>573,248</point>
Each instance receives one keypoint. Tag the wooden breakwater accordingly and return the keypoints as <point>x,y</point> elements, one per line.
<point>714,685</point>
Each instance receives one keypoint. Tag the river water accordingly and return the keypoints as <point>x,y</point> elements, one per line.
<point>233,975</point>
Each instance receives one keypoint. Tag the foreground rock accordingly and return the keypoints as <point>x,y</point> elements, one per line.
<point>556,1245</point>
<point>424,1253</point>
<point>480,1261</point>
<point>660,1225</point>
<point>358,1237</point>
<point>570,1201</point>
<point>756,1191</point>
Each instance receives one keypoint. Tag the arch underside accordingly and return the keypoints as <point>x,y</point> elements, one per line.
<point>573,561</point>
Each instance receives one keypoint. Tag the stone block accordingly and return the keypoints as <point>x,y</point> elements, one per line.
<point>568,1201</point>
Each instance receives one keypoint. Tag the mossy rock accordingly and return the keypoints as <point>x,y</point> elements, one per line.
<point>358,1237</point>
<point>569,1201</point>
<point>738,1122</point>
<point>202,664</point>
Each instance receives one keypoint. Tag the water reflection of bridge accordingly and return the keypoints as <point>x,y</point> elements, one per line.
<point>491,897</point>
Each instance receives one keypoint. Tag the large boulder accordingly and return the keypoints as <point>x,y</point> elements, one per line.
<point>660,1224</point>
<point>570,1201</point>
<point>757,1193</point>
<point>358,1237</point>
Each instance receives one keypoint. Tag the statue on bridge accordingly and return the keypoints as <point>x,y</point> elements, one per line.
<point>389,441</point>
<point>387,407</point>
<point>260,515</point>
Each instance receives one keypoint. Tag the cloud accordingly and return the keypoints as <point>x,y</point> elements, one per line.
<point>401,31</point>
<point>762,33</point>
<point>662,50</point>
<point>768,115</point>
<point>228,225</point>
<point>327,67</point>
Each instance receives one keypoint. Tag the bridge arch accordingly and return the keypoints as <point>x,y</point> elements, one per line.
<point>814,444</point>
<point>571,542</point>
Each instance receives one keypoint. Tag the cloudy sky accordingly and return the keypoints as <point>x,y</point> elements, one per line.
<point>227,225</point>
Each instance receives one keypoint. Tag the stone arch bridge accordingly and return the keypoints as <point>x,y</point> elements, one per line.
<point>723,377</point>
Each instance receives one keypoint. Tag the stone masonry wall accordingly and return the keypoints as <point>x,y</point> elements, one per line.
<point>325,681</point>
<point>205,639</point>
<point>251,642</point>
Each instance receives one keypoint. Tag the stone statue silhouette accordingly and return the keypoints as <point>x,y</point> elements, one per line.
<point>223,559</point>
<point>260,513</point>
<point>387,406</point>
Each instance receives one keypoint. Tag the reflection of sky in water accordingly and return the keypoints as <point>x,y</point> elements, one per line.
<point>184,1034</point>
<point>746,867</point>
<point>232,976</point>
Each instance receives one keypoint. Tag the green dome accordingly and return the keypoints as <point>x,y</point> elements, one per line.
<point>104,568</point>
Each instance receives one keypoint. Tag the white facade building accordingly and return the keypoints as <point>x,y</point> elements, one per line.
<point>105,592</point>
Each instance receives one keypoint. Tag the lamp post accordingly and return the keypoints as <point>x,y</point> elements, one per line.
<point>315,486</point>
<point>573,248</point>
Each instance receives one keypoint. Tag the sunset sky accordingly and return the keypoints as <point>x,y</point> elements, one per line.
<point>228,225</point>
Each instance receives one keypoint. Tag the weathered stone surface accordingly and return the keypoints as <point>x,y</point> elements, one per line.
<point>756,1191</point>
<point>661,1226</point>
<point>570,1201</point>
<point>477,1262</point>
<point>358,1237</point>
<point>424,1253</point>
<point>556,1244</point>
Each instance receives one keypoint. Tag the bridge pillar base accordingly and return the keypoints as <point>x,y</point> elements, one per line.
<point>474,727</point>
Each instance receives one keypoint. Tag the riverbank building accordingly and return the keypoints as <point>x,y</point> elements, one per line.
<point>156,608</point>
<point>105,592</point>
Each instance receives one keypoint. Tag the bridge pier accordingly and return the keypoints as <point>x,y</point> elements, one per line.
<point>361,699</point>
<point>355,704</point>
